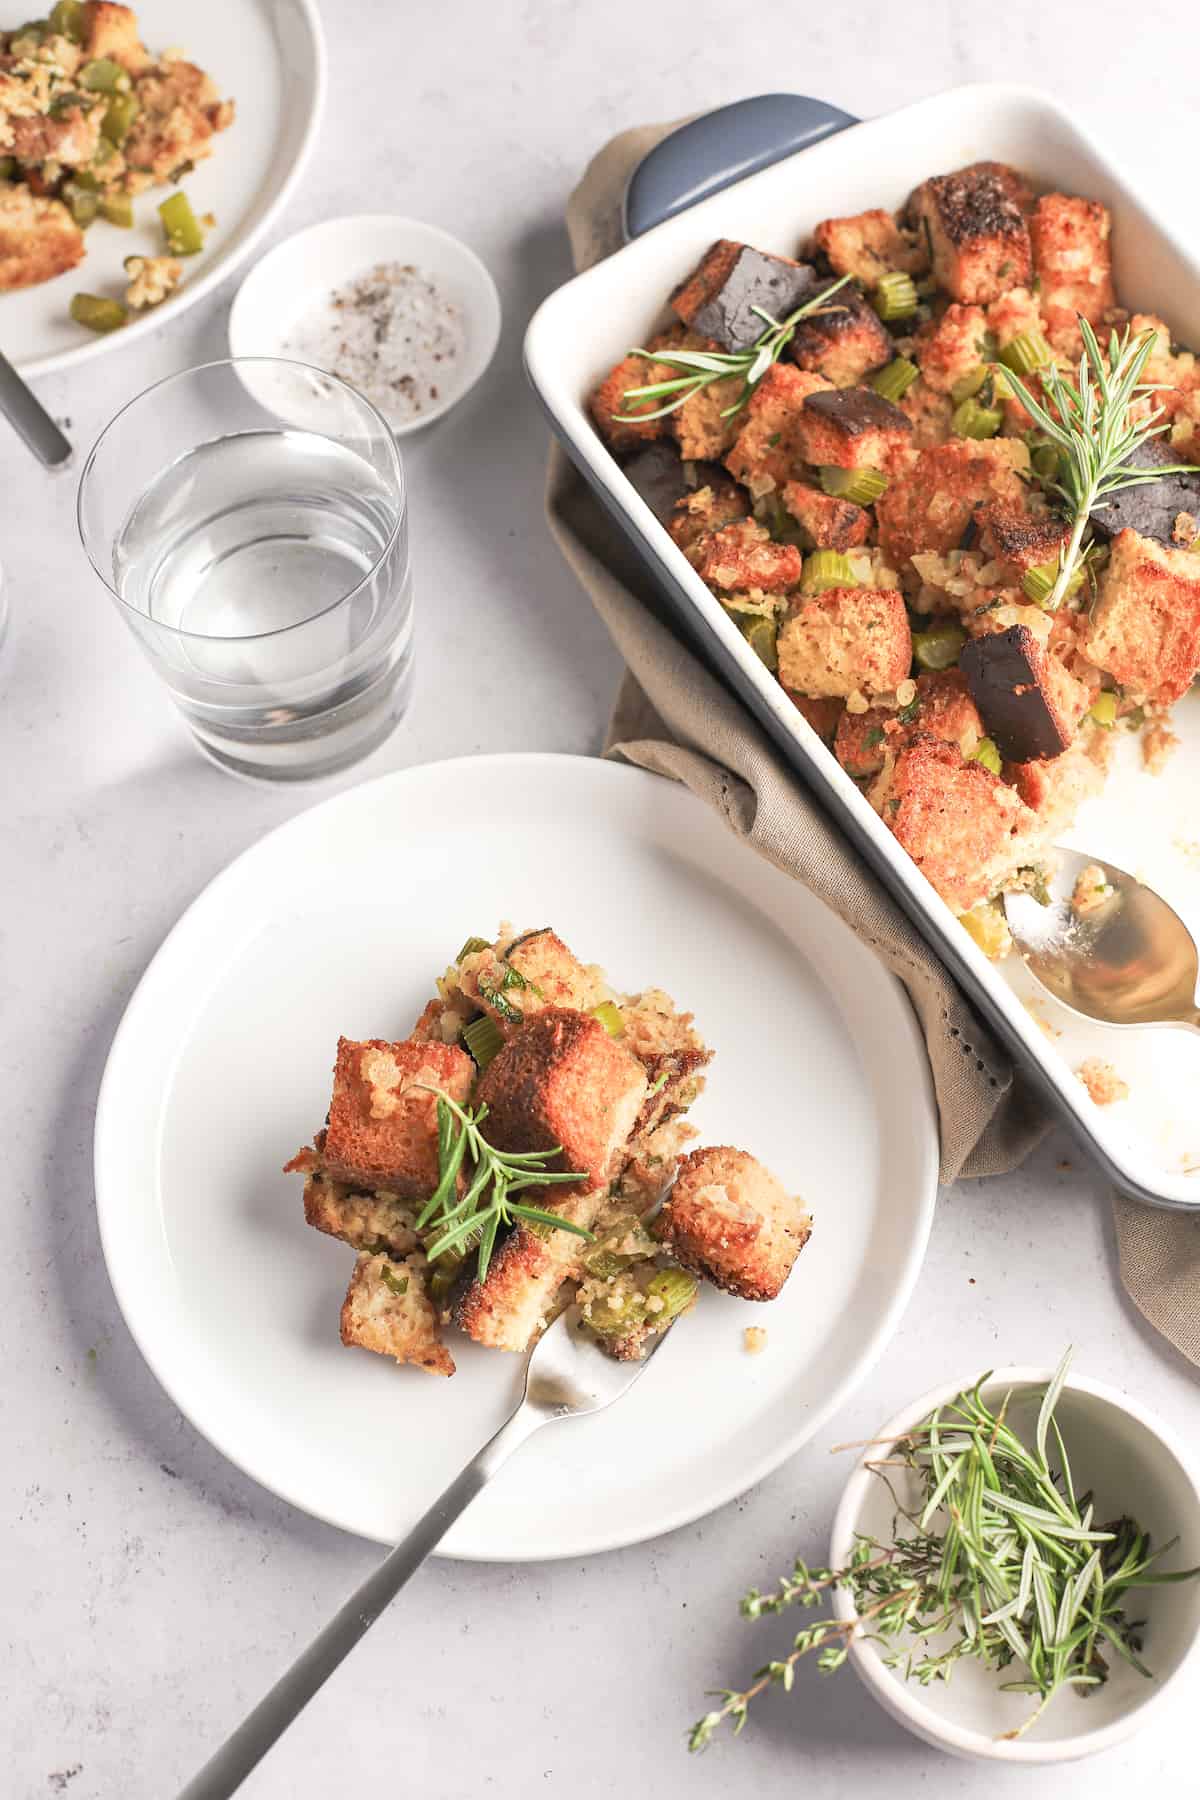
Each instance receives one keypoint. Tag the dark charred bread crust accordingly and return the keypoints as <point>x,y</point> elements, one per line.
<point>1007,675</point>
<point>844,341</point>
<point>1019,539</point>
<point>823,713</point>
<point>697,516</point>
<point>663,478</point>
<point>851,428</point>
<point>1015,185</point>
<point>677,1070</point>
<point>719,296</point>
<point>1152,508</point>
<point>561,1080</point>
<point>978,234</point>
<point>858,410</point>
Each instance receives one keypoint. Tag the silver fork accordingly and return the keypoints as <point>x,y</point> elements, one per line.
<point>566,1377</point>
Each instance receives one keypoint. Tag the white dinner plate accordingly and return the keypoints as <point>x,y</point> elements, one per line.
<point>269,57</point>
<point>338,922</point>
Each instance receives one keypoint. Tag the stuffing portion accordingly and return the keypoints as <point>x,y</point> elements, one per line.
<point>952,347</point>
<point>769,448</point>
<point>381,1223</point>
<point>929,503</point>
<point>844,341</point>
<point>845,641</point>
<point>38,238</point>
<point>1074,266</point>
<point>729,1220</point>
<point>151,279</point>
<point>387,1309</point>
<point>382,1130</point>
<point>826,522</point>
<point>743,556</point>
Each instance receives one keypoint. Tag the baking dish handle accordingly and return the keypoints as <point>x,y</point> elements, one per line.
<point>718,148</point>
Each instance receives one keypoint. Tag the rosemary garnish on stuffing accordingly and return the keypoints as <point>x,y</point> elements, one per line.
<point>452,1220</point>
<point>1088,417</point>
<point>1002,1565</point>
<point>698,368</point>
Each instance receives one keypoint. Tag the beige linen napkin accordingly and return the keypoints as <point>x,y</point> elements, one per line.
<point>679,721</point>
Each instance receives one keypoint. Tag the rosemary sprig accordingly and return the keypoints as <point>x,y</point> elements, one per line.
<point>1088,418</point>
<point>698,368</point>
<point>1001,1563</point>
<point>452,1219</point>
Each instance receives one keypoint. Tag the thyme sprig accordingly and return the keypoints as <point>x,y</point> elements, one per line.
<point>1088,417</point>
<point>457,1215</point>
<point>1001,1563</point>
<point>698,368</point>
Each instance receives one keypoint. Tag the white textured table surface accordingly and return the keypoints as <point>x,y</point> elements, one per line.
<point>149,1591</point>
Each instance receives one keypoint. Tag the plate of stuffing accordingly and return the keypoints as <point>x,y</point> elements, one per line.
<point>472,1044</point>
<point>142,156</point>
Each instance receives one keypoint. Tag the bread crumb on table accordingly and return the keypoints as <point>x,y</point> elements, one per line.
<point>1102,1082</point>
<point>754,1340</point>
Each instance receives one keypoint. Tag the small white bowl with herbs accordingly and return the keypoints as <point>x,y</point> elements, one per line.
<point>1013,1571</point>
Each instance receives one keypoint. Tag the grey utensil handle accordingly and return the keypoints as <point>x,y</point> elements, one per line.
<point>30,420</point>
<point>720,148</point>
<point>225,1772</point>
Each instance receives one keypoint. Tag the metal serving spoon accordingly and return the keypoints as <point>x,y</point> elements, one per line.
<point>30,420</point>
<point>1132,961</point>
<point>566,1377</point>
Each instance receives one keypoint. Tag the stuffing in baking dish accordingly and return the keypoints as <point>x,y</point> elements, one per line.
<point>525,1147</point>
<point>946,487</point>
<point>89,119</point>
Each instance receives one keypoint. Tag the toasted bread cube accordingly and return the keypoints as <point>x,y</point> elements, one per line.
<point>719,503</point>
<point>180,110</point>
<point>768,448</point>
<point>823,714</point>
<point>652,1164</point>
<point>1056,787</point>
<point>946,710</point>
<point>719,297</point>
<point>861,741</point>
<point>943,708</point>
<point>561,1082</point>
<point>382,1130</point>
<point>38,238</point>
<point>516,1299</point>
<point>381,1223</point>
<point>977,234</point>
<point>930,413</point>
<point>69,135</point>
<point>729,1220</point>
<point>744,556</point>
<point>1074,265</point>
<point>702,430</point>
<point>952,346</point>
<point>844,341</point>
<point>111,32</point>
<point>534,971</point>
<point>845,641</point>
<point>870,245</point>
<point>1015,185</point>
<point>1019,540</point>
<point>387,1309</point>
<point>672,1053</point>
<point>852,428</point>
<point>1029,701</point>
<point>608,406</point>
<point>827,522</point>
<point>928,504</point>
<point>1145,626</point>
<point>965,829</point>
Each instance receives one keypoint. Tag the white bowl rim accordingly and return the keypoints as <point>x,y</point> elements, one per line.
<point>488,315</point>
<point>903,1699</point>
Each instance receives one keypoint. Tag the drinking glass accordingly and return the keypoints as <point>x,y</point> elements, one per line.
<point>249,519</point>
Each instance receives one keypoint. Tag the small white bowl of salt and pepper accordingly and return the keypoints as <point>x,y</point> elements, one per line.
<point>400,310</point>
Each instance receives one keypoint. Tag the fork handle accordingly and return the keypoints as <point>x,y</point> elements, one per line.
<point>225,1772</point>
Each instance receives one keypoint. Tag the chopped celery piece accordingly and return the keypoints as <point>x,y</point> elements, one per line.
<point>1038,583</point>
<point>895,296</point>
<point>863,486</point>
<point>472,947</point>
<point>609,1016</point>
<point>939,647</point>
<point>1027,352</point>
<point>967,385</point>
<point>96,313</point>
<point>103,76</point>
<point>66,18</point>
<point>182,228</point>
<point>8,167</point>
<point>675,1289</point>
<point>117,209</point>
<point>82,203</point>
<point>971,420</point>
<point>626,1241</point>
<point>985,752</point>
<point>827,569</point>
<point>894,381</point>
<point>1103,709</point>
<point>389,1277</point>
<point>615,1312</point>
<point>483,1039</point>
<point>1044,459</point>
<point>761,635</point>
<point>119,115</point>
<point>987,924</point>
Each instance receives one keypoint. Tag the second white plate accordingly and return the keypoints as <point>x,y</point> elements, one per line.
<point>338,922</point>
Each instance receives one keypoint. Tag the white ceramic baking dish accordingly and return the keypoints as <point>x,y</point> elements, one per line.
<point>1148,1143</point>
